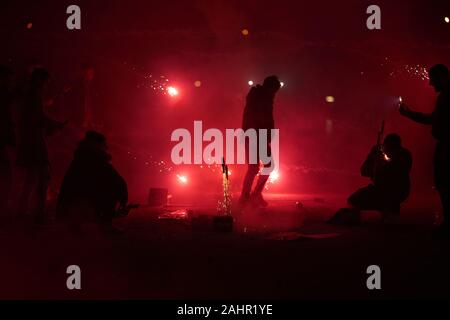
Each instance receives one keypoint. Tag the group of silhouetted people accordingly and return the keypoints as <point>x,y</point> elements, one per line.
<point>91,179</point>
<point>91,184</point>
<point>388,165</point>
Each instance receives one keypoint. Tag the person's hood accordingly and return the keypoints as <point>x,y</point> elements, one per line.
<point>86,152</point>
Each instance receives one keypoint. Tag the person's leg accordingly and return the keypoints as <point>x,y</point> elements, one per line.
<point>442,180</point>
<point>262,180</point>
<point>43,180</point>
<point>364,198</point>
<point>252,171</point>
<point>5,183</point>
<point>28,186</point>
<point>444,194</point>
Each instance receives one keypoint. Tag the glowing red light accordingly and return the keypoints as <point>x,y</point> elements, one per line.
<point>274,176</point>
<point>182,179</point>
<point>172,91</point>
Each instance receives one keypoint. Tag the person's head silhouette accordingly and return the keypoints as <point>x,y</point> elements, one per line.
<point>392,144</point>
<point>95,139</point>
<point>439,77</point>
<point>39,78</point>
<point>272,84</point>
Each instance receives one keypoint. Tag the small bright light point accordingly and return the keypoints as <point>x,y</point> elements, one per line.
<point>329,99</point>
<point>245,32</point>
<point>274,176</point>
<point>282,84</point>
<point>29,25</point>
<point>250,83</point>
<point>198,84</point>
<point>400,99</point>
<point>172,91</point>
<point>182,179</point>
<point>447,20</point>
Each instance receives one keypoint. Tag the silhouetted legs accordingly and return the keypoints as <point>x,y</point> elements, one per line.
<point>445,200</point>
<point>5,182</point>
<point>252,172</point>
<point>367,198</point>
<point>36,180</point>
<point>442,179</point>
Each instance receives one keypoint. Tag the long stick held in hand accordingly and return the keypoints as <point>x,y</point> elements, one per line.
<point>379,149</point>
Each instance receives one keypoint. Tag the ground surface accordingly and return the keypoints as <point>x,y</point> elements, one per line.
<point>167,259</point>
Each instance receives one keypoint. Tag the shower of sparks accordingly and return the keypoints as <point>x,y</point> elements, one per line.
<point>158,84</point>
<point>418,72</point>
<point>224,206</point>
<point>415,71</point>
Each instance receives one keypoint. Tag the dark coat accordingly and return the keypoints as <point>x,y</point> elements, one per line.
<point>92,179</point>
<point>391,178</point>
<point>258,112</point>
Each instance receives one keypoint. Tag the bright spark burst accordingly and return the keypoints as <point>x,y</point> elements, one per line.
<point>182,179</point>
<point>274,176</point>
<point>250,83</point>
<point>172,91</point>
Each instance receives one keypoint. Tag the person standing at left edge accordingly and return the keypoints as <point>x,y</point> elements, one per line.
<point>33,127</point>
<point>7,140</point>
<point>439,119</point>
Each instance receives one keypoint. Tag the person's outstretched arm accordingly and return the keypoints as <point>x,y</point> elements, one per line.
<point>419,117</point>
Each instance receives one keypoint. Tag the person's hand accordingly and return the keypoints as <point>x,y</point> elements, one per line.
<point>404,109</point>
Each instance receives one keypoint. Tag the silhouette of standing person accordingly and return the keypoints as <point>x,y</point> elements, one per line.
<point>7,139</point>
<point>258,114</point>
<point>33,127</point>
<point>439,119</point>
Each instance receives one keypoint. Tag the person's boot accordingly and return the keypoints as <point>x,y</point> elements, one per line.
<point>258,201</point>
<point>242,202</point>
<point>345,216</point>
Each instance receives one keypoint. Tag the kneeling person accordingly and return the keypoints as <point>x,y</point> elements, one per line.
<point>92,187</point>
<point>388,167</point>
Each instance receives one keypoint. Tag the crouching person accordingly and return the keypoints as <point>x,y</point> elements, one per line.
<point>388,167</point>
<point>92,189</point>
